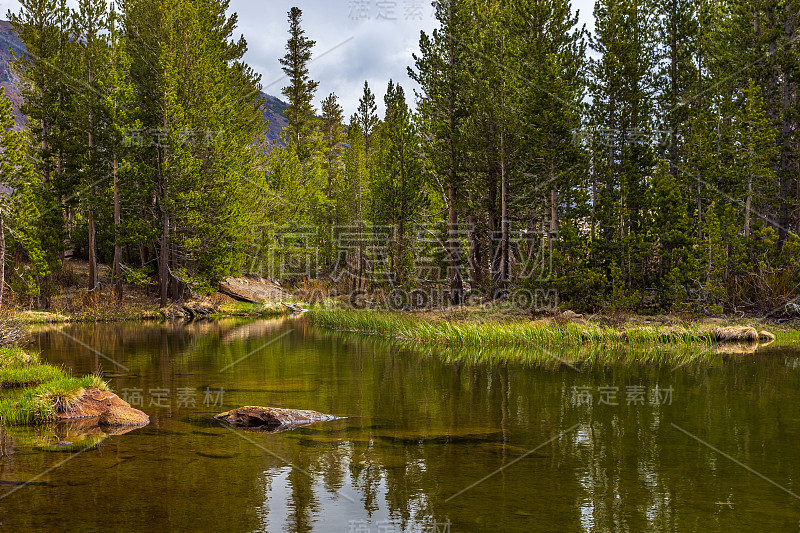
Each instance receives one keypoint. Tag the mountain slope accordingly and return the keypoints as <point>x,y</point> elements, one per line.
<point>274,113</point>
<point>9,40</point>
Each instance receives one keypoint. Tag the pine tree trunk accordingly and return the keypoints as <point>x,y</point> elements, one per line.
<point>67,216</point>
<point>163,263</point>
<point>504,244</point>
<point>594,197</point>
<point>747,204</point>
<point>92,235</point>
<point>117,247</point>
<point>699,212</point>
<point>553,216</point>
<point>456,283</point>
<point>786,148</point>
<point>92,226</point>
<point>401,226</point>
<point>475,248</point>
<point>492,211</point>
<point>2,257</point>
<point>92,251</point>
<point>164,255</point>
<point>504,238</point>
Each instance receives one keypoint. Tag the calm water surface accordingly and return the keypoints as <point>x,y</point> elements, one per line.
<point>430,443</point>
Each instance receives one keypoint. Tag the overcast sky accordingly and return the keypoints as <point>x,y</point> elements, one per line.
<point>357,40</point>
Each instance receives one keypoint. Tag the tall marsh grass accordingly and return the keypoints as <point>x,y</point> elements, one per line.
<point>509,333</point>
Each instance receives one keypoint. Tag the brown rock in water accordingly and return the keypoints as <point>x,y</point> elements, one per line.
<point>765,336</point>
<point>271,418</point>
<point>743,334</point>
<point>95,403</point>
<point>124,416</point>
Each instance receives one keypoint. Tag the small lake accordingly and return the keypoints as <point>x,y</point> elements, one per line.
<point>432,441</point>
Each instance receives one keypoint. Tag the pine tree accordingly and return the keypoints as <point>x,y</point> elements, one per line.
<point>551,161</point>
<point>202,170</point>
<point>367,117</point>
<point>301,128</point>
<point>119,99</point>
<point>333,164</point>
<point>19,189</point>
<point>755,139</point>
<point>90,21</point>
<point>333,133</point>
<point>622,105</point>
<point>44,27</point>
<point>672,230</point>
<point>440,70</point>
<point>398,176</point>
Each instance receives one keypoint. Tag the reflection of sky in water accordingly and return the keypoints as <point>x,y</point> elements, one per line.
<point>339,510</point>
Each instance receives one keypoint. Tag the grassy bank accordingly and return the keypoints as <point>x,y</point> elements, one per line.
<point>33,392</point>
<point>479,331</point>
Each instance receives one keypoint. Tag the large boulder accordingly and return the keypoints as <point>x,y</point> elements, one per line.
<point>93,402</point>
<point>253,289</point>
<point>271,418</point>
<point>106,407</point>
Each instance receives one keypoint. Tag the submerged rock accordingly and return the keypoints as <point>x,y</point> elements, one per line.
<point>271,418</point>
<point>96,403</point>
<point>124,416</point>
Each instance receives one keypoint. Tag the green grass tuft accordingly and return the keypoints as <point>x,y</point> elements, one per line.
<point>34,392</point>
